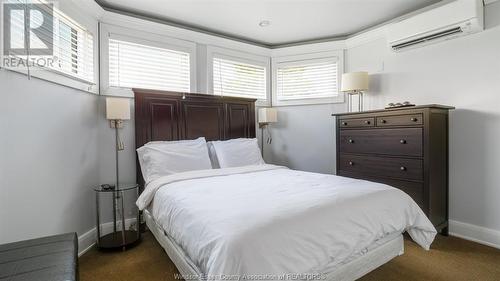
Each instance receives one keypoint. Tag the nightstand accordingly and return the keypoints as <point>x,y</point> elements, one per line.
<point>117,207</point>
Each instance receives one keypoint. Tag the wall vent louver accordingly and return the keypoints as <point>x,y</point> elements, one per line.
<point>450,20</point>
<point>428,38</point>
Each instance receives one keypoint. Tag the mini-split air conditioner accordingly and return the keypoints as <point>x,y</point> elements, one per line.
<point>448,21</point>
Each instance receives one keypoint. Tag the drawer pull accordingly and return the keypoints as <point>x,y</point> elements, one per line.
<point>402,141</point>
<point>402,168</point>
<point>351,141</point>
<point>383,121</point>
<point>344,123</point>
<point>414,119</point>
<point>367,122</point>
<point>351,163</point>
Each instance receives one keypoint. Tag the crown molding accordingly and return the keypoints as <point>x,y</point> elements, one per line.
<point>161,28</point>
<point>195,28</point>
<point>192,28</point>
<point>90,7</point>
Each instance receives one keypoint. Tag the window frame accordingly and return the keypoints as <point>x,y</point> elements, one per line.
<point>135,36</point>
<point>294,59</point>
<point>90,24</point>
<point>238,56</point>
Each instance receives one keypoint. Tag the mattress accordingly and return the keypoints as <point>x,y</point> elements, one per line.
<point>354,267</point>
<point>268,220</point>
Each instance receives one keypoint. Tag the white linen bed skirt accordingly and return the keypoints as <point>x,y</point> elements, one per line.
<point>353,268</point>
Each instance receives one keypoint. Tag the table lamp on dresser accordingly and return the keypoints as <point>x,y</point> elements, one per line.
<point>354,83</point>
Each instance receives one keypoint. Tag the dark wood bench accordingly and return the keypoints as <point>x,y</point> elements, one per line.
<point>53,258</point>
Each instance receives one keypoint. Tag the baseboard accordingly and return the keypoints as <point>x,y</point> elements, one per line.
<point>478,234</point>
<point>87,240</point>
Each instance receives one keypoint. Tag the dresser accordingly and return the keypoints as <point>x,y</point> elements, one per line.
<point>406,148</point>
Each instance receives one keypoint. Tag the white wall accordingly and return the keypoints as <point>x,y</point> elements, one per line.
<point>56,144</point>
<point>464,73</point>
<point>48,158</point>
<point>304,138</point>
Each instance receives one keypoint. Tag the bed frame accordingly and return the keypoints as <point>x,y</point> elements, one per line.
<point>370,259</point>
<point>168,116</point>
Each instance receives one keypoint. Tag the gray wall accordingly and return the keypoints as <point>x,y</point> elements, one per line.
<point>464,73</point>
<point>304,138</point>
<point>55,143</point>
<point>48,158</point>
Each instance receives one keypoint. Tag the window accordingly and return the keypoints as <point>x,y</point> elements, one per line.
<point>75,48</point>
<point>233,78</point>
<point>69,41</point>
<point>56,42</point>
<point>303,80</point>
<point>307,80</point>
<point>137,59</point>
<point>238,74</point>
<point>134,65</point>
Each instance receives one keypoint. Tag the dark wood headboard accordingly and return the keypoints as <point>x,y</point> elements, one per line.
<point>168,116</point>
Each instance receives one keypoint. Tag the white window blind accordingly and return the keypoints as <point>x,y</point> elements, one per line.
<point>133,65</point>
<point>72,46</point>
<point>310,79</point>
<point>233,78</point>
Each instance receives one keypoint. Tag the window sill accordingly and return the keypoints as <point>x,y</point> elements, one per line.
<point>339,99</point>
<point>118,92</point>
<point>58,78</point>
<point>128,93</point>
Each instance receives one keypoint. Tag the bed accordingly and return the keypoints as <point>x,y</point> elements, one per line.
<point>264,222</point>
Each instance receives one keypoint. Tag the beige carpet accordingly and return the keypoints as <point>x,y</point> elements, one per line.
<point>450,259</point>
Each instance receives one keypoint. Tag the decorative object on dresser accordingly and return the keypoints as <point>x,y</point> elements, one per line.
<point>398,105</point>
<point>354,83</point>
<point>406,148</point>
<point>267,115</point>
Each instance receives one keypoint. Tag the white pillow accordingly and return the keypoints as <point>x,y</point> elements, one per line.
<point>159,159</point>
<point>238,152</point>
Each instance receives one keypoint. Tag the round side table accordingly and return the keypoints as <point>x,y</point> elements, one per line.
<point>117,236</point>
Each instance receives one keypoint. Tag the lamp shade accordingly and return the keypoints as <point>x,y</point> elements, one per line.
<point>117,108</point>
<point>268,115</point>
<point>355,81</point>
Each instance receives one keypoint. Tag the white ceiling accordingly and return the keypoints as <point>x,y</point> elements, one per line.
<point>291,20</point>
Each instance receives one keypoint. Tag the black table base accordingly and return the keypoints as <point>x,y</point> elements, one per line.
<point>114,240</point>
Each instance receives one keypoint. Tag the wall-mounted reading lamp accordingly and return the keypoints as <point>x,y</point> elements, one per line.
<point>117,110</point>
<point>267,115</point>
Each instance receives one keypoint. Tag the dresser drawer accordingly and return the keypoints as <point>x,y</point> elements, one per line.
<point>414,189</point>
<point>400,120</point>
<point>357,122</point>
<point>390,167</point>
<point>400,142</point>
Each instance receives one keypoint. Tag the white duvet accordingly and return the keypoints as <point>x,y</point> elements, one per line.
<point>269,220</point>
